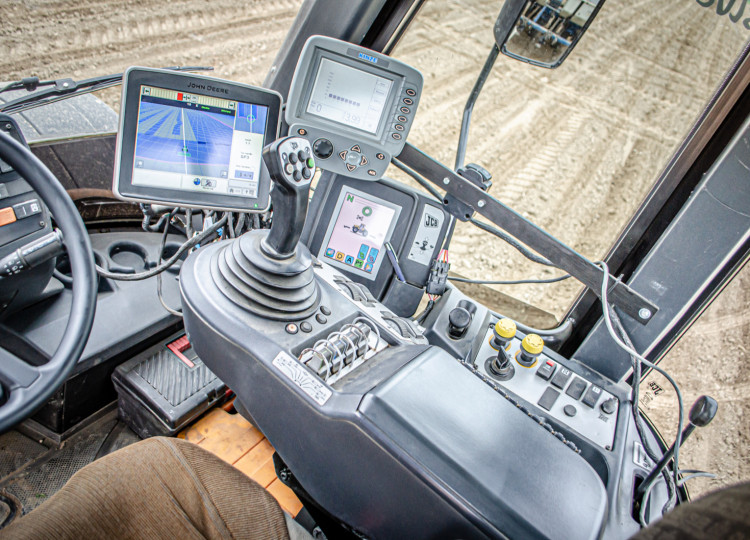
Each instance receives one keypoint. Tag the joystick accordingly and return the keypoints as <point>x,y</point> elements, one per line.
<point>269,273</point>
<point>291,166</point>
<point>500,366</point>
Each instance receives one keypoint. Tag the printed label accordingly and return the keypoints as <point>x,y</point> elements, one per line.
<point>295,372</point>
<point>427,235</point>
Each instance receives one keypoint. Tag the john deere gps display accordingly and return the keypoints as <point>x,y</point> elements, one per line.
<point>354,105</point>
<point>188,140</point>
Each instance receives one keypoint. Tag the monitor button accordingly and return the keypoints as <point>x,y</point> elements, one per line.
<point>399,127</point>
<point>396,136</point>
<point>408,101</point>
<point>372,172</point>
<point>356,148</point>
<point>411,92</point>
<point>405,110</point>
<point>380,156</point>
<point>342,155</point>
<point>363,161</point>
<point>350,167</point>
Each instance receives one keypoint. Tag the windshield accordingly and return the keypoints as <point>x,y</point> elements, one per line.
<point>574,149</point>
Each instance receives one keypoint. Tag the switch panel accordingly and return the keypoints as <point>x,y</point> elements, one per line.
<point>559,392</point>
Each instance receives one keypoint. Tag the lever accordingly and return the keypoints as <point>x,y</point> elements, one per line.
<point>701,413</point>
<point>291,166</point>
<point>32,254</point>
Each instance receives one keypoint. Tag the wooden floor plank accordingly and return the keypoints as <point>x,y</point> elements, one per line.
<point>255,459</point>
<point>285,496</point>
<point>237,441</point>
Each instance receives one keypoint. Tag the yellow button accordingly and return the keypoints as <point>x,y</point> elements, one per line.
<point>532,344</point>
<point>505,328</point>
<point>7,216</point>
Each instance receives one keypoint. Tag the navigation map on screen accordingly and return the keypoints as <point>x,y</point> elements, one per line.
<point>195,142</point>
<point>361,228</point>
<point>349,96</point>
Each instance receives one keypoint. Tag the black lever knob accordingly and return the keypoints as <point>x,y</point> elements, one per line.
<point>703,411</point>
<point>290,163</point>
<point>459,320</point>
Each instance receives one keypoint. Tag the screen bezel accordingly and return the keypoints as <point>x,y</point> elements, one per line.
<point>334,218</point>
<point>123,186</point>
<point>311,76</point>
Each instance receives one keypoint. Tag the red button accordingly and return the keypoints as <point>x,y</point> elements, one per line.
<point>550,363</point>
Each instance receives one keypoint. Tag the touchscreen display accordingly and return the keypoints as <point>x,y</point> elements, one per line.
<point>356,235</point>
<point>194,142</point>
<point>349,96</point>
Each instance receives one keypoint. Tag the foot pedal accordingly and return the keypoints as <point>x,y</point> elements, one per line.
<point>165,388</point>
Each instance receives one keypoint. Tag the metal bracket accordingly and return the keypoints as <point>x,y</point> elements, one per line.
<point>564,257</point>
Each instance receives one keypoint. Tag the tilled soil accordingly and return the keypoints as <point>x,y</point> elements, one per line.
<point>574,149</point>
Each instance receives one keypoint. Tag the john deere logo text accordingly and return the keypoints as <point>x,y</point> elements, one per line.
<point>208,87</point>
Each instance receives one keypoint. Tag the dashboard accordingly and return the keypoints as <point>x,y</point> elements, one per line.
<point>449,422</point>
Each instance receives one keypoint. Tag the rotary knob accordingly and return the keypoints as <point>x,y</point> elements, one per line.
<point>531,347</point>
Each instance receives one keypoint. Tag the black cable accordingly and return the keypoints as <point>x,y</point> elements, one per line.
<point>671,489</point>
<point>449,234</point>
<point>230,225</point>
<point>418,179</point>
<point>197,239</point>
<point>513,243</point>
<point>419,319</point>
<point>161,254</point>
<point>513,282</point>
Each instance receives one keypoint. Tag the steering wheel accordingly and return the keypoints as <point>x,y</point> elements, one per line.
<point>27,386</point>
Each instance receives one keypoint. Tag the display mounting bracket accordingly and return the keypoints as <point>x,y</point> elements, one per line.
<point>562,256</point>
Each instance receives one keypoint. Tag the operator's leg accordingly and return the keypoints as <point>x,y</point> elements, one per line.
<point>158,488</point>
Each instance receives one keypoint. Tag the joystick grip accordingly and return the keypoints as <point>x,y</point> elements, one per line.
<point>291,167</point>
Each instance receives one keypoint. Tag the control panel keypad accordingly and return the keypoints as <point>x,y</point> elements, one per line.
<point>558,391</point>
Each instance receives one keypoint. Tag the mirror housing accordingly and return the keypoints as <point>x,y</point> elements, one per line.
<point>543,32</point>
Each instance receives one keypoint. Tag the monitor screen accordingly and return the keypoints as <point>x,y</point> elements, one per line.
<point>355,237</point>
<point>198,143</point>
<point>349,96</point>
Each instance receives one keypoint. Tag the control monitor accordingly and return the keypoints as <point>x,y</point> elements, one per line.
<point>354,105</point>
<point>194,141</point>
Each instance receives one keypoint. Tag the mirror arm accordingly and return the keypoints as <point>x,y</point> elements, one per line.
<point>469,108</point>
<point>620,294</point>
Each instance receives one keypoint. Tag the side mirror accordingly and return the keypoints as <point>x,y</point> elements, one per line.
<point>543,32</point>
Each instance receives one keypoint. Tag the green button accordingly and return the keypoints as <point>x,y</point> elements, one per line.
<point>311,162</point>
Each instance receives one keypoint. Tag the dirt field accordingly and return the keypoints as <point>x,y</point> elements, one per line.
<point>574,149</point>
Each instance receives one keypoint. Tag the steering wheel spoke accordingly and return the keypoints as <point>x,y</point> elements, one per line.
<point>16,373</point>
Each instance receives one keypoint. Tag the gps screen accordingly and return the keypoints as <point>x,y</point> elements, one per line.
<point>355,238</point>
<point>193,142</point>
<point>349,96</point>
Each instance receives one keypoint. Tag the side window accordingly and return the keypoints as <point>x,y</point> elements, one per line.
<point>573,149</point>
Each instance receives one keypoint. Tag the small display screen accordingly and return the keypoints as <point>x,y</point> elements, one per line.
<point>355,237</point>
<point>199,143</point>
<point>349,96</point>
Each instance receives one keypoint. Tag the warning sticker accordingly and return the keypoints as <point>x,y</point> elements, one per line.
<point>295,372</point>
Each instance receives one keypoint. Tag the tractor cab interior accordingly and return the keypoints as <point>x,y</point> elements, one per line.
<point>251,280</point>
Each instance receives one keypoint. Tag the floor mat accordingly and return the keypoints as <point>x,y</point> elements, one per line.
<point>31,472</point>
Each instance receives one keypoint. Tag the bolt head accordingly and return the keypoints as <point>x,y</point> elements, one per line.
<point>446,180</point>
<point>644,313</point>
<point>481,203</point>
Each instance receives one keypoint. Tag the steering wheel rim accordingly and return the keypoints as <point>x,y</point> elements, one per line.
<point>30,386</point>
